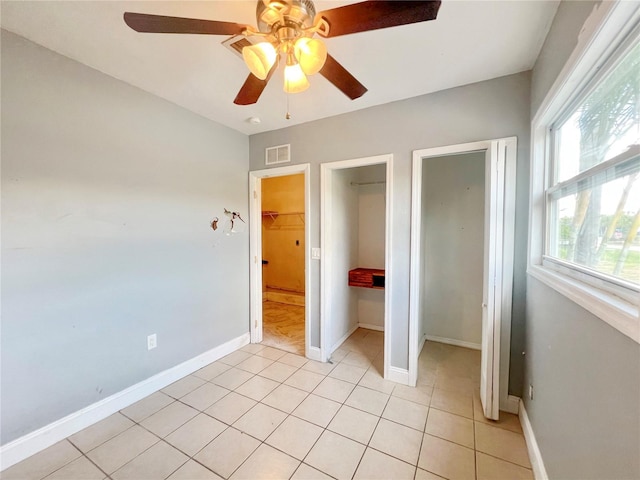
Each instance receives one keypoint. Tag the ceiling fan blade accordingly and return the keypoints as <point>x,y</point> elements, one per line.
<point>142,22</point>
<point>342,79</point>
<point>376,14</point>
<point>252,88</point>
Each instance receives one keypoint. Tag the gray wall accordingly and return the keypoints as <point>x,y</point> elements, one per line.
<point>453,204</point>
<point>586,378</point>
<point>558,45</point>
<point>371,239</point>
<point>491,109</point>
<point>107,194</point>
<point>586,375</point>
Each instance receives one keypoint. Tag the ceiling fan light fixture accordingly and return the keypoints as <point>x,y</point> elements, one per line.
<point>260,58</point>
<point>311,53</point>
<point>295,81</point>
<point>286,28</point>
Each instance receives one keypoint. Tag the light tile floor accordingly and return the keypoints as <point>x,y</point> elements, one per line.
<point>265,413</point>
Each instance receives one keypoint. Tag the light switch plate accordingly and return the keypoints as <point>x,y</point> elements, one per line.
<point>152,341</point>
<point>315,254</point>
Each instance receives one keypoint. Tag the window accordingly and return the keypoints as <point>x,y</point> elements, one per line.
<point>593,200</point>
<point>585,172</point>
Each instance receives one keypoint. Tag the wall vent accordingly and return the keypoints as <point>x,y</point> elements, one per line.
<point>237,43</point>
<point>278,154</point>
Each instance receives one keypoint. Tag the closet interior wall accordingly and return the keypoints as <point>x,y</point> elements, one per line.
<point>453,203</point>
<point>359,220</point>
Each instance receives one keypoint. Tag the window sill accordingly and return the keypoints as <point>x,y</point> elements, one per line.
<point>621,315</point>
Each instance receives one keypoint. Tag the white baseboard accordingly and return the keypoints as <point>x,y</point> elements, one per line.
<point>398,375</point>
<point>314,353</point>
<point>512,405</point>
<point>31,443</point>
<point>336,345</point>
<point>539,472</point>
<point>452,341</point>
<point>371,326</point>
<point>421,345</point>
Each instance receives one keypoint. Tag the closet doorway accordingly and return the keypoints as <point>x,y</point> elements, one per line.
<point>355,215</point>
<point>462,252</point>
<point>279,239</point>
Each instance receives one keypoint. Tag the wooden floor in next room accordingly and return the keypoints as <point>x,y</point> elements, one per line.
<point>283,326</point>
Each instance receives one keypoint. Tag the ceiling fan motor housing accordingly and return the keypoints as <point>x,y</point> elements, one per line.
<point>296,14</point>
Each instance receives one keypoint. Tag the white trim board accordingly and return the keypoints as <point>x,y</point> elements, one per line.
<point>255,248</point>
<point>537,464</point>
<point>608,28</point>
<point>371,326</point>
<point>314,353</point>
<point>398,375</point>
<point>512,405</point>
<point>421,345</point>
<point>340,341</point>
<point>453,341</point>
<point>32,443</point>
<point>611,309</point>
<point>506,152</point>
<point>326,175</point>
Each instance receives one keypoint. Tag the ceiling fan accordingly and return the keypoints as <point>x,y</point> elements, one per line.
<point>286,29</point>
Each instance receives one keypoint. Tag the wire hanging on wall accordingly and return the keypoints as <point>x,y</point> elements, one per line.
<point>233,224</point>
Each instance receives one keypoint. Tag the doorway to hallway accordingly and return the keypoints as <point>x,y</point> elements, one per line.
<point>279,235</point>
<point>283,257</point>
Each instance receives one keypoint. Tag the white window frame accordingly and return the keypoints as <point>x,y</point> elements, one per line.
<point>601,39</point>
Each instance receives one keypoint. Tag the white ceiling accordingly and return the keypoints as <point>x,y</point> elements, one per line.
<point>470,41</point>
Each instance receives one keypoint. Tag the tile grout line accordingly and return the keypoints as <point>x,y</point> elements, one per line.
<point>370,368</point>
<point>372,433</point>
<point>179,466</point>
<point>260,402</point>
<point>68,463</point>
<point>475,451</point>
<point>504,460</point>
<point>94,463</point>
<point>424,431</point>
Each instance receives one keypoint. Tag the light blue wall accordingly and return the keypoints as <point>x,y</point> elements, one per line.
<point>586,375</point>
<point>107,195</point>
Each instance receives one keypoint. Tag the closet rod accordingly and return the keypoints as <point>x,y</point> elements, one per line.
<point>357,184</point>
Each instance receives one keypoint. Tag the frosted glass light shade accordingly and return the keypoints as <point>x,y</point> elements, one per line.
<point>295,81</point>
<point>260,58</point>
<point>311,54</point>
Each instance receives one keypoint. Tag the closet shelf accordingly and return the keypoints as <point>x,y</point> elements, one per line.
<point>366,278</point>
<point>274,214</point>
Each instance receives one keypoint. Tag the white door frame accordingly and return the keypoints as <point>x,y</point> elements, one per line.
<point>255,246</point>
<point>326,172</point>
<point>501,159</point>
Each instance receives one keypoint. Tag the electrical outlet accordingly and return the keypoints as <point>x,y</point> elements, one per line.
<point>152,341</point>
<point>530,392</point>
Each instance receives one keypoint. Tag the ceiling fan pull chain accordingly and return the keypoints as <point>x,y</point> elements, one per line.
<point>288,115</point>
